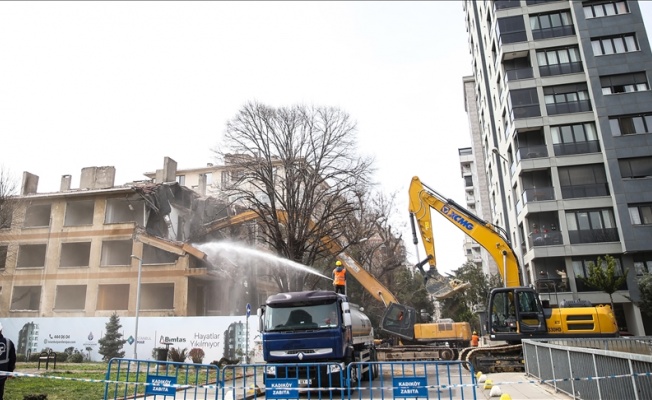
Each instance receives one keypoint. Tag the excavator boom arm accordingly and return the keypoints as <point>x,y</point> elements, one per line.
<point>423,199</point>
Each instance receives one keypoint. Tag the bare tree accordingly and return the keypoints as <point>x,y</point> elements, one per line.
<point>8,192</point>
<point>302,161</point>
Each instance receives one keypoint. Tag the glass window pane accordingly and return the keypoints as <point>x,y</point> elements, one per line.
<point>541,58</point>
<point>566,18</point>
<point>579,133</point>
<point>572,97</point>
<point>574,55</point>
<point>589,129</point>
<point>596,221</point>
<point>554,132</point>
<point>631,43</point>
<point>578,268</point>
<point>571,222</point>
<point>639,126</point>
<point>648,123</point>
<point>544,20</point>
<point>555,20</point>
<point>567,134</point>
<point>597,48</point>
<point>609,9</point>
<point>534,23</point>
<point>608,46</point>
<point>552,58</point>
<point>583,221</point>
<point>563,56</point>
<point>549,99</point>
<point>615,127</point>
<point>622,7</point>
<point>588,12</point>
<point>619,45</point>
<point>608,219</point>
<point>633,216</point>
<point>646,214</point>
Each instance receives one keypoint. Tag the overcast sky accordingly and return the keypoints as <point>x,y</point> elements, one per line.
<point>127,83</point>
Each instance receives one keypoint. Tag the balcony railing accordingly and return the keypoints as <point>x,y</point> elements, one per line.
<point>561,69</point>
<point>579,191</point>
<point>557,31</point>
<point>526,152</point>
<point>567,108</point>
<point>551,238</point>
<point>563,149</point>
<point>517,74</point>
<point>526,111</point>
<point>593,235</point>
<point>538,194</point>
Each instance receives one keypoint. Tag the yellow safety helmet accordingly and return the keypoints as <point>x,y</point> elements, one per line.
<point>475,333</point>
<point>338,263</point>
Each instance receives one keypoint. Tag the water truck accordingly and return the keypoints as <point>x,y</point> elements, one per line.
<point>299,330</point>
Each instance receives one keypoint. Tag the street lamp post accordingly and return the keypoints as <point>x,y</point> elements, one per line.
<point>140,268</point>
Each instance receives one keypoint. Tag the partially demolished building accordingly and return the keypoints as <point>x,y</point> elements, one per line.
<point>77,252</point>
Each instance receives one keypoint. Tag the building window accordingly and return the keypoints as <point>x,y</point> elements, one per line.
<point>3,256</point>
<point>631,124</point>
<point>154,255</point>
<point>635,167</point>
<point>559,61</point>
<point>70,297</point>
<point>25,298</point>
<point>116,252</point>
<point>614,44</point>
<point>575,139</point>
<point>583,181</point>
<point>591,226</point>
<point>6,214</point>
<point>624,83</point>
<point>552,25</point>
<point>565,99</point>
<point>640,214</point>
<point>31,256</point>
<point>113,297</point>
<point>605,9</point>
<point>37,216</point>
<point>122,210</point>
<point>643,263</point>
<point>157,296</point>
<point>503,4</point>
<point>181,180</point>
<point>75,254</point>
<point>511,30</point>
<point>524,103</point>
<point>79,213</point>
<point>581,269</point>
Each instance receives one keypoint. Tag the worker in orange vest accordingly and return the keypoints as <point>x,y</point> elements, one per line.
<point>475,339</point>
<point>339,278</point>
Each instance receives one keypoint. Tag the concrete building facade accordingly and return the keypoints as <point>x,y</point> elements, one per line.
<point>565,114</point>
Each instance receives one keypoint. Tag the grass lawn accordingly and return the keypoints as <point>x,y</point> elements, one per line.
<point>66,382</point>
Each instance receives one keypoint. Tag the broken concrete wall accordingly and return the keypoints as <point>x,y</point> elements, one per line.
<point>30,184</point>
<point>97,178</point>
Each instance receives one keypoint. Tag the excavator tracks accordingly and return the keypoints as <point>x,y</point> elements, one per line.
<point>501,358</point>
<point>415,353</point>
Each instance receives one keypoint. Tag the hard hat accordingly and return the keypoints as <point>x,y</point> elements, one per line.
<point>475,333</point>
<point>338,263</point>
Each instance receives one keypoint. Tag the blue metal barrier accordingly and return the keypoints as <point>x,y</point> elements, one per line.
<point>363,380</point>
<point>128,378</point>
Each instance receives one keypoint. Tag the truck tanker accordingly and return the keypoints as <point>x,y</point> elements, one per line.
<point>301,329</point>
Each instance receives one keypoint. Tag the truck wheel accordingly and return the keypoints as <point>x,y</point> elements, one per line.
<point>446,355</point>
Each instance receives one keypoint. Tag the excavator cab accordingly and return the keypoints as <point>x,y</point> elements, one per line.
<point>399,320</point>
<point>514,314</point>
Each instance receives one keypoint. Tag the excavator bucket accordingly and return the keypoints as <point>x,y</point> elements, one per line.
<point>441,287</point>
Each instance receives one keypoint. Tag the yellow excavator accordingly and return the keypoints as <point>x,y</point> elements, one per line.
<point>440,339</point>
<point>515,312</point>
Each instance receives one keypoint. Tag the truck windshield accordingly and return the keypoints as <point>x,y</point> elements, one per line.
<point>302,317</point>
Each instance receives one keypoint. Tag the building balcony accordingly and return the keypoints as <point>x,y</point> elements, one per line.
<point>538,194</point>
<point>551,238</point>
<point>593,235</point>
<point>581,191</point>
<point>518,74</point>
<point>568,108</point>
<point>564,149</point>
<point>527,152</point>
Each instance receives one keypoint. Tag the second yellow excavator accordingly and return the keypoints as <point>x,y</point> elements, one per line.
<point>515,312</point>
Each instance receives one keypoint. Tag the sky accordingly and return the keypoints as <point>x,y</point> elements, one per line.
<point>126,84</point>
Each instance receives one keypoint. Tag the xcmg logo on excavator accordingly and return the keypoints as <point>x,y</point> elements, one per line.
<point>458,219</point>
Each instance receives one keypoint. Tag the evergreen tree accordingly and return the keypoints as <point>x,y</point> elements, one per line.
<point>112,342</point>
<point>645,287</point>
<point>604,276</point>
